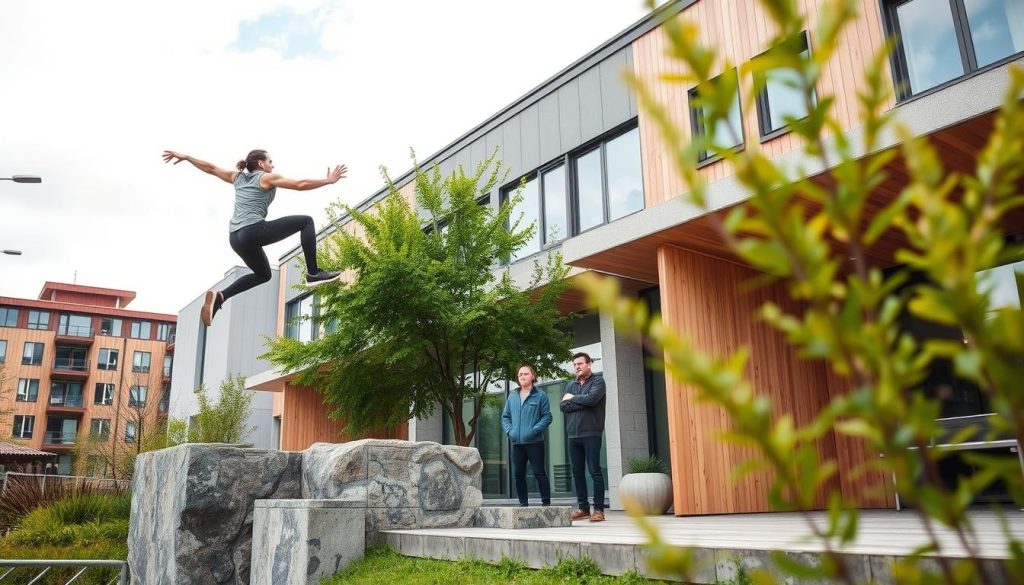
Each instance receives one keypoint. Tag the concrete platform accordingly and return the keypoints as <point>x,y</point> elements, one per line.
<point>616,545</point>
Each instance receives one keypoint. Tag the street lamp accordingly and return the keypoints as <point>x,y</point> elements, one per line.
<point>23,179</point>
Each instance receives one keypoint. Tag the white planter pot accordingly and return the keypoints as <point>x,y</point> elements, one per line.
<point>652,492</point>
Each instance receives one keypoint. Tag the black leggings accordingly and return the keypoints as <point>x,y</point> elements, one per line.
<point>248,243</point>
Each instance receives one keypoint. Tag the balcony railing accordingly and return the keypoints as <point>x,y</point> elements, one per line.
<point>74,401</point>
<point>71,364</point>
<point>140,369</point>
<point>75,331</point>
<point>59,438</point>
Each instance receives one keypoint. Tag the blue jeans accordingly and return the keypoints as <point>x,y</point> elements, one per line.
<point>534,453</point>
<point>587,450</point>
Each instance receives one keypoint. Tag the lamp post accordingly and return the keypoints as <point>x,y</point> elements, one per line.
<point>23,179</point>
<point>20,179</point>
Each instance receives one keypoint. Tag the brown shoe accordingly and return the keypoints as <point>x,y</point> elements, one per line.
<point>580,515</point>
<point>598,516</point>
<point>206,313</point>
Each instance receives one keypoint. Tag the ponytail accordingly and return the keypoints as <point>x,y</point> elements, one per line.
<point>252,160</point>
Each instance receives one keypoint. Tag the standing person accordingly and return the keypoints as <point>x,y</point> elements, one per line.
<point>527,413</point>
<point>256,185</point>
<point>583,407</point>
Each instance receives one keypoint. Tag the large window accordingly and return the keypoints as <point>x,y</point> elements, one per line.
<point>940,40</point>
<point>3,350</point>
<point>782,98</point>
<point>104,394</point>
<point>168,364</point>
<point>131,430</point>
<point>108,359</point>
<point>24,424</point>
<point>141,329</point>
<point>33,354</point>
<point>8,317</point>
<point>28,390</point>
<point>299,316</point>
<point>141,361</point>
<point>728,131</point>
<point>38,319</point>
<point>75,325</point>
<point>600,183</point>
<point>110,326</point>
<point>67,394</point>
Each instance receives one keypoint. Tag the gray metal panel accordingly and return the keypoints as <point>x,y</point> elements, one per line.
<point>530,129</point>
<point>614,93</point>
<point>478,152</point>
<point>512,149</point>
<point>463,158</point>
<point>550,142</point>
<point>293,276</point>
<point>634,108</point>
<point>591,111</point>
<point>569,115</point>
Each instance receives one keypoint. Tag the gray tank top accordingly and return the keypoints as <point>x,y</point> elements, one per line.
<point>251,201</point>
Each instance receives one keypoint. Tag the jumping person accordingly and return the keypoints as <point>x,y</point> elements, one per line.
<point>256,185</point>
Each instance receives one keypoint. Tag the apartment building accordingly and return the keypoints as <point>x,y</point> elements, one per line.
<point>79,363</point>
<point>596,168</point>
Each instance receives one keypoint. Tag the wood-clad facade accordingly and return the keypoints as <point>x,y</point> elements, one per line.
<point>668,250</point>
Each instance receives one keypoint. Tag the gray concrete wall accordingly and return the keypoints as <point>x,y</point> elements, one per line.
<point>232,346</point>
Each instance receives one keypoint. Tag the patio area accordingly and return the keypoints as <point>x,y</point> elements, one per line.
<point>617,544</point>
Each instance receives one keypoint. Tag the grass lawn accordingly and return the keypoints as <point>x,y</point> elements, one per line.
<point>381,565</point>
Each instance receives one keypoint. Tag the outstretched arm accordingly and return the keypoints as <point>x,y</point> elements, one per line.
<point>222,174</point>
<point>276,180</point>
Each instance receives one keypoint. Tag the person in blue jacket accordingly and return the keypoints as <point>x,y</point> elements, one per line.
<point>527,413</point>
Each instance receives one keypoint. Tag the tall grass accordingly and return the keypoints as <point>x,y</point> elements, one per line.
<point>23,494</point>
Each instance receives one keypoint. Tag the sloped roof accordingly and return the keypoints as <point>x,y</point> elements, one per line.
<point>12,452</point>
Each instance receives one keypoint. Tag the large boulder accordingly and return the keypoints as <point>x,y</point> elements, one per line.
<point>192,509</point>
<point>403,484</point>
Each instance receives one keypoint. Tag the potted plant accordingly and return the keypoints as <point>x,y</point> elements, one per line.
<point>646,487</point>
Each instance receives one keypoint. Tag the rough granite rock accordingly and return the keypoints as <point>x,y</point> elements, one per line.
<point>192,509</point>
<point>403,484</point>
<point>523,517</point>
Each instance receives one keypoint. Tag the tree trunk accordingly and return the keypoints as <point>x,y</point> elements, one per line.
<point>459,426</point>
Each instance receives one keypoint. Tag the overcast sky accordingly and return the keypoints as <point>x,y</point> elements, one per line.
<point>92,92</point>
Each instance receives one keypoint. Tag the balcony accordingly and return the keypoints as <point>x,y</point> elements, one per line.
<point>65,404</point>
<point>58,440</point>
<point>75,334</point>
<point>70,368</point>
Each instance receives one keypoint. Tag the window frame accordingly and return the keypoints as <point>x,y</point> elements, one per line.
<point>3,351</point>
<point>116,326</point>
<point>100,431</point>
<point>705,157</point>
<point>106,399</point>
<point>39,324</point>
<point>506,192</point>
<point>964,39</point>
<point>10,316</point>
<point>25,388</point>
<point>19,433</point>
<point>763,101</point>
<point>134,394</point>
<point>131,431</point>
<point>32,361</point>
<point>138,357</point>
<point>135,329</point>
<point>290,327</point>
<point>106,365</point>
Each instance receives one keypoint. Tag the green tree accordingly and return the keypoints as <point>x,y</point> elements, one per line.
<point>5,405</point>
<point>224,421</point>
<point>848,315</point>
<point>427,320</point>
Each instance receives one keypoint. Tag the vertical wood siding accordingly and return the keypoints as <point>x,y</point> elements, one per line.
<point>742,30</point>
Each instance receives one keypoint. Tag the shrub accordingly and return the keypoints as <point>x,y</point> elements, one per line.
<point>651,464</point>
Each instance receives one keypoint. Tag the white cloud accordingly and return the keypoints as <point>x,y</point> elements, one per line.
<point>94,91</point>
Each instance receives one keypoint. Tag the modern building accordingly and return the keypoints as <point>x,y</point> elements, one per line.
<point>596,168</point>
<point>79,364</point>
<point>230,347</point>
